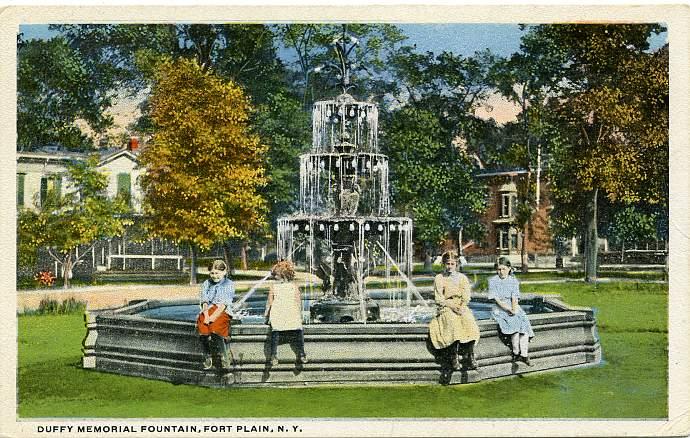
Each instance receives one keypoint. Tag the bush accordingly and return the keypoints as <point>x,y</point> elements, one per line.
<point>44,279</point>
<point>50,306</point>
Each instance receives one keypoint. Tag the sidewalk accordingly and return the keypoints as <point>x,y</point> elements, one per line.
<point>107,296</point>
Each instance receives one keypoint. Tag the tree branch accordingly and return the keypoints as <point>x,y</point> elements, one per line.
<point>50,252</point>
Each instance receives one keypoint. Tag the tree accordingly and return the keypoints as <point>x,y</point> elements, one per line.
<point>204,167</point>
<point>56,87</point>
<point>608,117</point>
<point>432,180</point>
<point>518,79</point>
<point>434,141</point>
<point>630,225</point>
<point>286,129</point>
<point>79,217</point>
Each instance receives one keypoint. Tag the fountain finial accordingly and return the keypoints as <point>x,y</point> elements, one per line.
<point>343,44</point>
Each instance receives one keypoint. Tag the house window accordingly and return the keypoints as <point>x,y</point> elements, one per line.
<point>507,239</point>
<point>50,185</point>
<point>508,201</point>
<point>20,189</point>
<point>124,187</point>
<point>503,239</point>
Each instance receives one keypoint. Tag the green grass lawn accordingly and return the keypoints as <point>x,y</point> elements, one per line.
<point>632,382</point>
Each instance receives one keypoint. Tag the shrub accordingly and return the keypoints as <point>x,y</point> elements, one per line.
<point>50,306</point>
<point>44,279</point>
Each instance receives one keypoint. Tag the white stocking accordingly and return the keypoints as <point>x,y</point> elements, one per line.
<point>515,340</point>
<point>524,342</point>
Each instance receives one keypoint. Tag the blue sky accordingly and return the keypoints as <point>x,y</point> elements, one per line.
<point>461,39</point>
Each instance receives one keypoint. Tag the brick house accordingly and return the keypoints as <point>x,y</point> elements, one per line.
<point>503,235</point>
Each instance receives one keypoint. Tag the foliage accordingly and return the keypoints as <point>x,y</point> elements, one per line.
<point>630,226</point>
<point>605,121</point>
<point>242,53</point>
<point>631,383</point>
<point>285,128</point>
<point>56,87</point>
<point>78,217</point>
<point>431,179</point>
<point>204,167</point>
<point>68,306</point>
<point>434,141</point>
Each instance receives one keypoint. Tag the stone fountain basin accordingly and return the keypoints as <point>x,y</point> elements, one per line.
<point>124,341</point>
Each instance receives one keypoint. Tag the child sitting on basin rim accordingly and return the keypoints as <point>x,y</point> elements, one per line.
<point>213,322</point>
<point>504,289</point>
<point>284,309</point>
<point>454,325</point>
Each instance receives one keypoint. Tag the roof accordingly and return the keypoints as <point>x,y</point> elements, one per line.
<point>114,155</point>
<point>51,156</point>
<point>511,172</point>
<point>105,155</point>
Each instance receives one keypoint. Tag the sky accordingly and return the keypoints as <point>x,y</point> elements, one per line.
<point>462,39</point>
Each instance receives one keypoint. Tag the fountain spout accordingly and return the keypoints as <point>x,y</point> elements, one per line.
<point>410,286</point>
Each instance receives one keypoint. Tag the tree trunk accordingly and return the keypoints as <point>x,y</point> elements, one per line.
<point>67,270</point>
<point>243,255</point>
<point>193,267</point>
<point>428,267</point>
<point>227,256</point>
<point>523,252</point>
<point>622,251</point>
<point>591,237</point>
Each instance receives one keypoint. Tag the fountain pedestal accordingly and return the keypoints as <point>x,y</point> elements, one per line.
<point>344,311</point>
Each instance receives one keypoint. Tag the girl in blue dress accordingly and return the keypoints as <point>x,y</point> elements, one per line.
<point>504,289</point>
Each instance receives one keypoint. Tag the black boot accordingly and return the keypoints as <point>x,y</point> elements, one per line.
<point>206,349</point>
<point>455,356</point>
<point>471,360</point>
<point>222,350</point>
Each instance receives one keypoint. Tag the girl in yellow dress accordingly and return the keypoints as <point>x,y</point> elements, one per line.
<point>454,326</point>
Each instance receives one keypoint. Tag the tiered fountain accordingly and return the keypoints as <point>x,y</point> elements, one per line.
<point>343,230</point>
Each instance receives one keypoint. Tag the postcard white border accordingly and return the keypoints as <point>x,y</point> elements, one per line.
<point>675,16</point>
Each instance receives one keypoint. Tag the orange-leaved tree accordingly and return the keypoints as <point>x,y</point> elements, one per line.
<point>204,166</point>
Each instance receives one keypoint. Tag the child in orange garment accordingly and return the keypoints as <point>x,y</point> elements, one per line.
<point>213,322</point>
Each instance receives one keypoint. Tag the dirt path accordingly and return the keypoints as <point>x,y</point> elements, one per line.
<point>103,297</point>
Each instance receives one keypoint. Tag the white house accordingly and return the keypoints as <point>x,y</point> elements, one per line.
<point>46,169</point>
<point>38,172</point>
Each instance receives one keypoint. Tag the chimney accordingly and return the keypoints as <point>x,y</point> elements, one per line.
<point>133,144</point>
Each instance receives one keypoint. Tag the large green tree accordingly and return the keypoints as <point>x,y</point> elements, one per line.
<point>204,167</point>
<point>606,120</point>
<point>431,178</point>
<point>434,140</point>
<point>80,216</point>
<point>56,87</point>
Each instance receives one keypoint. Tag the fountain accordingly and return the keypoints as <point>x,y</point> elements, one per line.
<point>342,233</point>
<point>344,221</point>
